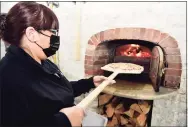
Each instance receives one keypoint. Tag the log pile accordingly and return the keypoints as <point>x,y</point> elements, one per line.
<point>124,112</point>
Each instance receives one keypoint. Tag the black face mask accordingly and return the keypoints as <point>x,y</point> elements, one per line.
<point>54,45</point>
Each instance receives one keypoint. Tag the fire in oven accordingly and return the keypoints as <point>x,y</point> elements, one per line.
<point>141,53</point>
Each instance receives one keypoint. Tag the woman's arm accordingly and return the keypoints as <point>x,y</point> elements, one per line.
<point>82,86</point>
<point>21,106</point>
<point>17,110</point>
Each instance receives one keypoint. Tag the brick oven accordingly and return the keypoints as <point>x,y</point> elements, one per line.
<point>156,51</point>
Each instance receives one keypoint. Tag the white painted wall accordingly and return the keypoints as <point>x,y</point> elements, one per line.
<point>169,17</point>
<point>5,6</point>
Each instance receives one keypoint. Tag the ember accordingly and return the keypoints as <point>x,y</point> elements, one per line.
<point>133,50</point>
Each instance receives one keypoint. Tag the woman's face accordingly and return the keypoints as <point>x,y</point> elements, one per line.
<point>44,42</point>
<point>37,42</point>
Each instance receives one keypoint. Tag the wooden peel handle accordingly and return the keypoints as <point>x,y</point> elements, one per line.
<point>86,101</point>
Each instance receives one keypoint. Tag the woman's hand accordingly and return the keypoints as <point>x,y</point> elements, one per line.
<point>99,79</point>
<point>75,115</point>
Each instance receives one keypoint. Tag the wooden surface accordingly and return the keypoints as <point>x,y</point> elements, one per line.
<point>137,90</point>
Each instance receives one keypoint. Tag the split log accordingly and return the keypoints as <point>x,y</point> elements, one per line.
<point>132,121</point>
<point>118,111</point>
<point>123,120</point>
<point>129,113</point>
<point>104,99</point>
<point>145,107</point>
<point>123,112</point>
<point>141,120</point>
<point>136,107</point>
<point>119,107</point>
<point>109,110</point>
<point>129,125</point>
<point>113,122</point>
<point>136,114</point>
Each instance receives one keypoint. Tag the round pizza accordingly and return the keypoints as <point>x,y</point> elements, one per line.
<point>124,67</point>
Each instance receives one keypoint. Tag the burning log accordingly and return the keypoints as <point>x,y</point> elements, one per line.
<point>133,50</point>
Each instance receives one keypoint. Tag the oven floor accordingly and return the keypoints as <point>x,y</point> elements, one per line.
<point>137,90</point>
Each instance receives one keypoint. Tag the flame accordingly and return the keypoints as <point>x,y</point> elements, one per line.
<point>133,50</point>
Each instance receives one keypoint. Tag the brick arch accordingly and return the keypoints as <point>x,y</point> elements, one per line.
<point>97,55</point>
<point>145,34</point>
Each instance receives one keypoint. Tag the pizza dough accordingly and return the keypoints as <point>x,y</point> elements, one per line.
<point>123,67</point>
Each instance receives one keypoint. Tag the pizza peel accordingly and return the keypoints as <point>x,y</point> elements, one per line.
<point>87,100</point>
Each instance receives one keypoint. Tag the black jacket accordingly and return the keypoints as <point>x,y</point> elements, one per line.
<point>32,94</point>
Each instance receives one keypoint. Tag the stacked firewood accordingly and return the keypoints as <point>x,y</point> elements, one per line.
<point>123,111</point>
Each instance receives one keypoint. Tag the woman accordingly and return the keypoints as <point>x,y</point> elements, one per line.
<point>33,90</point>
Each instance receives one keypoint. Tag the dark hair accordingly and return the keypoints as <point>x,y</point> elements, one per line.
<point>23,15</point>
<point>2,23</point>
